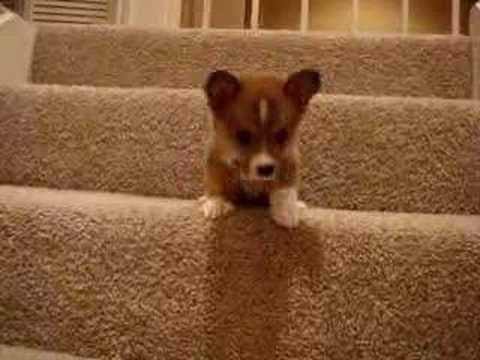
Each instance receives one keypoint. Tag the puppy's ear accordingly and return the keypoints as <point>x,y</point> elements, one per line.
<point>221,88</point>
<point>301,86</point>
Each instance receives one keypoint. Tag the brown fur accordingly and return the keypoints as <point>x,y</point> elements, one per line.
<point>235,109</point>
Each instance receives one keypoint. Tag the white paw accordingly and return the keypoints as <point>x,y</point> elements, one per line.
<point>285,208</point>
<point>288,217</point>
<point>302,205</point>
<point>215,206</point>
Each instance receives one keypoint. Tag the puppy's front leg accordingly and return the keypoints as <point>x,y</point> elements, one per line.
<point>285,207</point>
<point>215,203</point>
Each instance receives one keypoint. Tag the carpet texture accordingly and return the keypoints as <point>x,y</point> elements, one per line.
<point>360,153</point>
<point>102,275</point>
<point>368,65</point>
<point>104,254</point>
<point>16,353</point>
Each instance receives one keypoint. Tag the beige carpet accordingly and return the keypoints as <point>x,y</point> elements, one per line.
<point>17,353</point>
<point>392,65</point>
<point>361,153</point>
<point>98,275</point>
<point>104,254</point>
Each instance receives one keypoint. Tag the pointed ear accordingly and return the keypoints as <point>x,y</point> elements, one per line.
<point>221,88</point>
<point>301,86</point>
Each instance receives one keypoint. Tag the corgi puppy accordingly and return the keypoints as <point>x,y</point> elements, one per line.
<point>252,154</point>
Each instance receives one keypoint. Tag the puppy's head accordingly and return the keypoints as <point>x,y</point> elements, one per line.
<point>256,119</point>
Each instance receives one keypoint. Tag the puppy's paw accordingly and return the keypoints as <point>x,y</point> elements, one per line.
<point>302,205</point>
<point>288,217</point>
<point>285,208</point>
<point>215,206</point>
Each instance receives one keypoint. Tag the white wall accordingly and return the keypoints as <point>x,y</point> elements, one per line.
<point>17,39</point>
<point>475,33</point>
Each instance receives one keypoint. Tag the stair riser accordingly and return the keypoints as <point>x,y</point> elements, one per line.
<point>359,153</point>
<point>393,65</point>
<point>98,275</point>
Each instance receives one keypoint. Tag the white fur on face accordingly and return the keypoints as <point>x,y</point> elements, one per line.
<point>261,159</point>
<point>263,109</point>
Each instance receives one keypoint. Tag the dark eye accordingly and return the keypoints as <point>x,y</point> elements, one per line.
<point>281,136</point>
<point>244,137</point>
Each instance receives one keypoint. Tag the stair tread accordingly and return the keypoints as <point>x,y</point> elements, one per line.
<point>100,202</point>
<point>19,353</point>
<point>104,275</point>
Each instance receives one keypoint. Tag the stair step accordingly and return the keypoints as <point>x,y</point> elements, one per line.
<point>109,275</point>
<point>424,66</point>
<point>18,353</point>
<point>360,153</point>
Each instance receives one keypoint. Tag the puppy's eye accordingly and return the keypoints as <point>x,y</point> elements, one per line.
<point>244,137</point>
<point>281,136</point>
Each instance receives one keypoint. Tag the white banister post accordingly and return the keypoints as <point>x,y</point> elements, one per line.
<point>172,14</point>
<point>255,16</point>
<point>455,17</point>
<point>305,15</point>
<point>356,15</point>
<point>475,36</point>
<point>119,11</point>
<point>405,16</point>
<point>27,10</point>
<point>166,14</point>
<point>207,14</point>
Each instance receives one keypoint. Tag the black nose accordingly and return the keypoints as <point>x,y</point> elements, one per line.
<point>265,170</point>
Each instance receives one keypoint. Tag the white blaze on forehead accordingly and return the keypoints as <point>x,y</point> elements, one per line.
<point>263,109</point>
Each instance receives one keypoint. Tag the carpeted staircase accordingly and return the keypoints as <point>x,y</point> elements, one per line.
<point>105,254</point>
